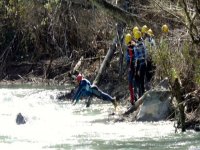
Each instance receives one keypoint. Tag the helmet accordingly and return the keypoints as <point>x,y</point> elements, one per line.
<point>79,77</point>
<point>150,32</point>
<point>144,29</point>
<point>137,35</point>
<point>135,29</point>
<point>127,38</point>
<point>165,28</point>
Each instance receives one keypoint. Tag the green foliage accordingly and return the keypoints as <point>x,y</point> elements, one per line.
<point>177,60</point>
<point>186,52</point>
<point>161,58</point>
<point>197,71</point>
<point>190,53</point>
<point>174,74</point>
<point>169,60</point>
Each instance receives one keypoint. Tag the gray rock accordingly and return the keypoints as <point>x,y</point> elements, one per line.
<point>197,127</point>
<point>20,119</point>
<point>156,104</point>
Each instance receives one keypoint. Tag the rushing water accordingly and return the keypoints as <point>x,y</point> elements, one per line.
<point>60,125</point>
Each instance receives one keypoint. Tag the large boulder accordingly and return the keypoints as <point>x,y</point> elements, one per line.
<point>156,103</point>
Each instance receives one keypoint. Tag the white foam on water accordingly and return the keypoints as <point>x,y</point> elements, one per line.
<point>53,123</point>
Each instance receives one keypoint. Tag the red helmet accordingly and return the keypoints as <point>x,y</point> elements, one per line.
<point>79,77</point>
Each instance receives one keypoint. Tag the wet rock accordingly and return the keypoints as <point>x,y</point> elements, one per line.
<point>20,119</point>
<point>66,96</point>
<point>156,104</point>
<point>122,119</point>
<point>197,127</point>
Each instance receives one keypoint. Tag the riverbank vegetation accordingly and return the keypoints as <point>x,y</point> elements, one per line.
<point>44,40</point>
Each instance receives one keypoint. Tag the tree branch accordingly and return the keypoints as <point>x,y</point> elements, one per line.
<point>119,14</point>
<point>190,20</point>
<point>171,13</point>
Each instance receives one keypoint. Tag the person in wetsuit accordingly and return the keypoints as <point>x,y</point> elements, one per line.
<point>131,65</point>
<point>86,89</point>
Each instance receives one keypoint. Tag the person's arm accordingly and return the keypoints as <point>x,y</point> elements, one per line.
<point>79,92</point>
<point>135,56</point>
<point>131,54</point>
<point>145,51</point>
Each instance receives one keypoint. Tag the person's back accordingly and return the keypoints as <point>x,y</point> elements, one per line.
<point>140,59</point>
<point>140,50</point>
<point>130,54</point>
<point>149,42</point>
<point>85,85</point>
<point>151,49</point>
<point>84,89</point>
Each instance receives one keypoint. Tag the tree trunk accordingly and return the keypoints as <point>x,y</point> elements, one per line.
<point>120,34</point>
<point>106,61</point>
<point>178,95</point>
<point>120,40</point>
<point>117,40</point>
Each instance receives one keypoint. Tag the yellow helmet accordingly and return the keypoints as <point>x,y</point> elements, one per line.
<point>128,38</point>
<point>135,29</point>
<point>150,32</point>
<point>137,35</point>
<point>165,28</point>
<point>144,29</point>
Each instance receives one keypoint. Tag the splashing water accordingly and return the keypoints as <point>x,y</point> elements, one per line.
<point>60,125</point>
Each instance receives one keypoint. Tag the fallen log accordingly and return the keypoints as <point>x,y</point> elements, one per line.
<point>134,107</point>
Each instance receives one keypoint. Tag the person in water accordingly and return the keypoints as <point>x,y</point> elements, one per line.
<point>86,89</point>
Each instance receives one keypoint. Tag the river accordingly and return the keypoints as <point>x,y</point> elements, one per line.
<point>60,125</point>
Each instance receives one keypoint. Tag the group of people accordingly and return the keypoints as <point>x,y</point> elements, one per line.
<point>138,59</point>
<point>139,68</point>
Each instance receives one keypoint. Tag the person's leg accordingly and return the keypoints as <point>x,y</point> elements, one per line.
<point>100,94</point>
<point>136,88</point>
<point>137,82</point>
<point>88,102</point>
<point>148,69</point>
<point>149,73</point>
<point>142,78</point>
<point>130,80</point>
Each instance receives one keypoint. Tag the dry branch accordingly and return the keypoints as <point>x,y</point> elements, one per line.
<point>120,14</point>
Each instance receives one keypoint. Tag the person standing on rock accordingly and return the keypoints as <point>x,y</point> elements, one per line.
<point>86,89</point>
<point>131,65</point>
<point>140,55</point>
<point>150,67</point>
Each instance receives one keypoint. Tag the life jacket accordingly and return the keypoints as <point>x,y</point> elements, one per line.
<point>140,50</point>
<point>149,42</point>
<point>130,54</point>
<point>84,89</point>
<point>86,85</point>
